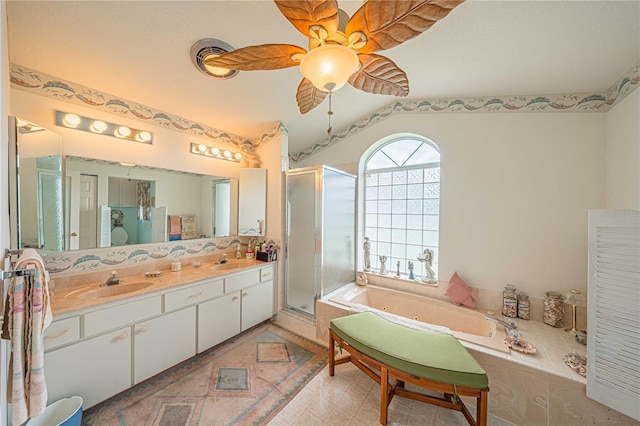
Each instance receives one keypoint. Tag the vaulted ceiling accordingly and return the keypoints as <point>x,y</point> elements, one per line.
<point>139,50</point>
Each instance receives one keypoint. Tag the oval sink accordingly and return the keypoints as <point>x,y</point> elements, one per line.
<point>115,290</point>
<point>236,264</point>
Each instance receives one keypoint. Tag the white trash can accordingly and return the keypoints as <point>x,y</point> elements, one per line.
<point>65,412</point>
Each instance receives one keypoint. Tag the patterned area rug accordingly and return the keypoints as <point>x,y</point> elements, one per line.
<point>246,380</point>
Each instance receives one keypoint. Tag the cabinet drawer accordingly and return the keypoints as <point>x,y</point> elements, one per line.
<point>192,295</point>
<point>61,332</point>
<point>266,274</point>
<point>107,319</point>
<point>240,281</point>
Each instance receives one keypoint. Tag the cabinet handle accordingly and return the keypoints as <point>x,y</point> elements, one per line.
<point>245,294</point>
<point>235,298</point>
<point>53,336</point>
<point>198,294</point>
<point>143,329</point>
<point>122,336</point>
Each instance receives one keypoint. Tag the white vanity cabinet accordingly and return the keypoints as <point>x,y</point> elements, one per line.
<point>162,342</point>
<point>101,351</point>
<point>96,368</point>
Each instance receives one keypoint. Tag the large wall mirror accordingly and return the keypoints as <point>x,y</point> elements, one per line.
<point>69,203</point>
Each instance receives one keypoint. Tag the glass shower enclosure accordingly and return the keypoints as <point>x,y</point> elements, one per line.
<point>320,234</point>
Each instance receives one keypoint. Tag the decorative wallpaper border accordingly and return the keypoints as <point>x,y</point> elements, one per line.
<point>47,85</point>
<point>81,261</point>
<point>590,102</point>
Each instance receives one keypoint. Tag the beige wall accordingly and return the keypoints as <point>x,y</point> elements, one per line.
<point>623,154</point>
<point>271,156</point>
<point>516,188</point>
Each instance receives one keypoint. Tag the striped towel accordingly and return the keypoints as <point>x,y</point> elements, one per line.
<point>27,316</point>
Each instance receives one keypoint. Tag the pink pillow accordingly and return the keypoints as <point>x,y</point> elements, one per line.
<point>460,293</point>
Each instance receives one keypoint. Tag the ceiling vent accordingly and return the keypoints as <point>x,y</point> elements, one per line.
<point>209,47</point>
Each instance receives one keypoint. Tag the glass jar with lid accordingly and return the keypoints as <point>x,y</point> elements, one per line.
<point>509,302</point>
<point>524,311</point>
<point>554,309</point>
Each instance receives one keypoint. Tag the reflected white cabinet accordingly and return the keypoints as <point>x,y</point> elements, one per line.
<point>252,202</point>
<point>163,342</point>
<point>123,192</point>
<point>96,368</point>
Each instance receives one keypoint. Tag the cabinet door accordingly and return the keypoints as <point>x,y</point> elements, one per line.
<point>218,320</point>
<point>94,369</point>
<point>257,304</point>
<point>163,342</point>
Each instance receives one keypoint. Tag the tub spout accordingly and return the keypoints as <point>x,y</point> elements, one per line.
<point>510,326</point>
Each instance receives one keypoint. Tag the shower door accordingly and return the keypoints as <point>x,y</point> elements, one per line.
<point>320,234</point>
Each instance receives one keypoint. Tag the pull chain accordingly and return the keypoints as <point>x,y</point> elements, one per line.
<point>330,113</point>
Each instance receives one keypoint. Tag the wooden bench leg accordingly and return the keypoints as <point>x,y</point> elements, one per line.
<point>332,354</point>
<point>384,395</point>
<point>482,408</point>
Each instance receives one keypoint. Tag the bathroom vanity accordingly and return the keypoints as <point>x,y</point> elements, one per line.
<point>100,343</point>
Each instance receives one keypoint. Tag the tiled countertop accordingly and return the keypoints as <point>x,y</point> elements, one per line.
<point>71,298</point>
<point>552,345</point>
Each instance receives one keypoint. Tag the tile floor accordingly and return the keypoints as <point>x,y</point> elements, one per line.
<point>352,398</point>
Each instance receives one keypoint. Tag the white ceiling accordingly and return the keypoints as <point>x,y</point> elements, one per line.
<point>139,50</point>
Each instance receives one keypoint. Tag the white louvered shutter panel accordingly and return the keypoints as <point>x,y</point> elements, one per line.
<point>613,315</point>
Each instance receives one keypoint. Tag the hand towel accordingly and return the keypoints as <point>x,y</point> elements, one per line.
<point>28,315</point>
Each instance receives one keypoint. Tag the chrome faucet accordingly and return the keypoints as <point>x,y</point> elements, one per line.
<point>224,258</point>
<point>112,280</point>
<point>510,326</point>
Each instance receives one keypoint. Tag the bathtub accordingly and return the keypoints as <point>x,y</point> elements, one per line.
<point>467,325</point>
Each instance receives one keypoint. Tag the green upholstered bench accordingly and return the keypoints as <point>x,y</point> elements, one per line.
<point>385,350</point>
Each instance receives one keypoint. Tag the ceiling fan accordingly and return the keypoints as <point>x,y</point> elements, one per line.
<point>340,53</point>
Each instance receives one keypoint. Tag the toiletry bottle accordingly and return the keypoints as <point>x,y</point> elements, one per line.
<point>238,254</point>
<point>249,253</point>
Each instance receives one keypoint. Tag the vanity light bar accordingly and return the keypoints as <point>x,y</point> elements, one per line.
<point>92,125</point>
<point>213,152</point>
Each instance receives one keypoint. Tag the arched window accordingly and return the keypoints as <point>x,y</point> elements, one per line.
<point>402,202</point>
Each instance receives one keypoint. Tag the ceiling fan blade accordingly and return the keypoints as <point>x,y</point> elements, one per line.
<point>308,96</point>
<point>379,75</point>
<point>305,14</point>
<point>388,23</point>
<point>263,57</point>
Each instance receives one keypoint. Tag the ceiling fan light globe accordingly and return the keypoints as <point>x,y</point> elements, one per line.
<point>329,67</point>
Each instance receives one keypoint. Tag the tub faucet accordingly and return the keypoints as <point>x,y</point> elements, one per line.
<point>510,326</point>
<point>224,258</point>
<point>112,280</point>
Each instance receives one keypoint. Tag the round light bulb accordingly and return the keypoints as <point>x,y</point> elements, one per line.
<point>237,156</point>
<point>227,154</point>
<point>71,120</point>
<point>329,67</point>
<point>98,126</point>
<point>123,131</point>
<point>216,71</point>
<point>214,151</point>
<point>201,148</point>
<point>144,136</point>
